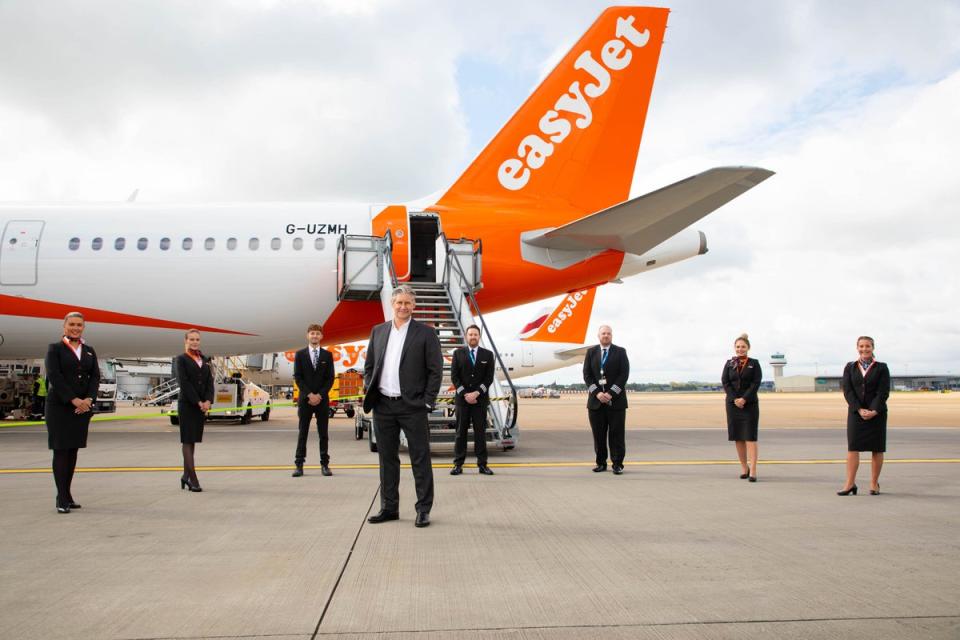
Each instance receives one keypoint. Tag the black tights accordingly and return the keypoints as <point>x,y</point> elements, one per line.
<point>64,464</point>
<point>189,470</point>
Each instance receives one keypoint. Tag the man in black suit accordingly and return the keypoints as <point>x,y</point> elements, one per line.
<point>605,372</point>
<point>472,374</point>
<point>313,373</point>
<point>402,376</point>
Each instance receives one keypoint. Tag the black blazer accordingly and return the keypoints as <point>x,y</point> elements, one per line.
<point>866,393</point>
<point>468,377</point>
<point>196,383</point>
<point>310,380</point>
<point>741,384</point>
<point>421,366</point>
<point>616,372</point>
<point>68,377</point>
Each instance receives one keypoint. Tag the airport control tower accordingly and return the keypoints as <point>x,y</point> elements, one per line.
<point>778,361</point>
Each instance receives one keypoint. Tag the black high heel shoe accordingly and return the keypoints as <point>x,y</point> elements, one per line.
<point>744,476</point>
<point>852,490</point>
<point>186,484</point>
<point>875,492</point>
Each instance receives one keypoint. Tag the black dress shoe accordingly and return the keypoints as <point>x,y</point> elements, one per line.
<point>457,470</point>
<point>599,468</point>
<point>752,479</point>
<point>485,470</point>
<point>383,516</point>
<point>617,469</point>
<point>297,472</point>
<point>423,519</point>
<point>62,506</point>
<point>744,476</point>
<point>74,505</point>
<point>852,490</point>
<point>325,470</point>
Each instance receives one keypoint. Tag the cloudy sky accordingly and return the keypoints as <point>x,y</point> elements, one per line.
<point>854,105</point>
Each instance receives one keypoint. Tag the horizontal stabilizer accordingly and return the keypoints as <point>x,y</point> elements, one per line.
<point>568,354</point>
<point>638,225</point>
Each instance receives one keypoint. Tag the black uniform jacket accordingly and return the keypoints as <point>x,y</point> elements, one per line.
<point>421,366</point>
<point>196,383</point>
<point>615,372</point>
<point>69,377</point>
<point>866,393</point>
<point>468,377</point>
<point>310,380</point>
<point>741,384</point>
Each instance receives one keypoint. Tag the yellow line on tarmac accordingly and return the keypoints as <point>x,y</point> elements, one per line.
<point>500,465</point>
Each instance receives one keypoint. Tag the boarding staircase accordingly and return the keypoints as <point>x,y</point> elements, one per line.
<point>365,272</point>
<point>224,368</point>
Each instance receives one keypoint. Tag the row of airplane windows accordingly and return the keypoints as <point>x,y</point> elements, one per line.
<point>209,244</point>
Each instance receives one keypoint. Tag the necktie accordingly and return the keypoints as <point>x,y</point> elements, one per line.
<point>473,357</point>
<point>603,358</point>
<point>315,357</point>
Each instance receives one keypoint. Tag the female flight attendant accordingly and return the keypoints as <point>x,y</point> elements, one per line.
<point>741,381</point>
<point>73,377</point>
<point>866,386</point>
<point>196,395</point>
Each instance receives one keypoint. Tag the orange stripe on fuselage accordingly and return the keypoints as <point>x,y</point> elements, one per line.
<point>31,308</point>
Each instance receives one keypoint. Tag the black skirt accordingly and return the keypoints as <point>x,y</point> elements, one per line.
<point>191,423</point>
<point>866,435</point>
<point>743,424</point>
<point>65,429</point>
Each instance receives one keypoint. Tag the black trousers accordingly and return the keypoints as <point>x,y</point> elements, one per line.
<point>608,423</point>
<point>305,412</point>
<point>476,415</point>
<point>389,418</point>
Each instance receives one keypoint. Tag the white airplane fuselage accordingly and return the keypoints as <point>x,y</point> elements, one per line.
<point>244,299</point>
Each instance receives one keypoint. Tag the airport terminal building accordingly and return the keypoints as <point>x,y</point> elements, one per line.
<point>807,384</point>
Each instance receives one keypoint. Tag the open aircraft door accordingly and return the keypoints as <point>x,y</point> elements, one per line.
<point>394,219</point>
<point>19,248</point>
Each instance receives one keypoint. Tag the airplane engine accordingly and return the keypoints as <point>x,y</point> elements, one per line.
<point>689,243</point>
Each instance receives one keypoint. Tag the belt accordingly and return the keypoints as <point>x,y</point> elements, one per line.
<point>394,398</point>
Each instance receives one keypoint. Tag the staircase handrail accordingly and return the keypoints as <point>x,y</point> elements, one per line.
<point>388,256</point>
<point>475,309</point>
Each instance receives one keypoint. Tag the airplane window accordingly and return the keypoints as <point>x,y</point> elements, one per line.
<point>254,244</point>
<point>96,244</point>
<point>164,244</point>
<point>74,244</point>
<point>275,244</point>
<point>119,244</point>
<point>298,243</point>
<point>187,244</point>
<point>231,243</point>
<point>142,244</point>
<point>318,244</point>
<point>209,243</point>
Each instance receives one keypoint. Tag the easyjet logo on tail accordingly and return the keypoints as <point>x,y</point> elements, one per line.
<point>572,108</point>
<point>568,321</point>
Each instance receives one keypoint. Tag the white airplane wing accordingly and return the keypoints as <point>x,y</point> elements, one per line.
<point>638,225</point>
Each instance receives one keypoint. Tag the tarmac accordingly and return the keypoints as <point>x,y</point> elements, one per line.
<point>678,547</point>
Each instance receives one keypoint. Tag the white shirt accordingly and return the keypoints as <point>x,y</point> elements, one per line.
<point>390,374</point>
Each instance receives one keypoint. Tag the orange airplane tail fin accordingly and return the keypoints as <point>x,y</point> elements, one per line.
<point>576,137</point>
<point>568,321</point>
